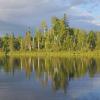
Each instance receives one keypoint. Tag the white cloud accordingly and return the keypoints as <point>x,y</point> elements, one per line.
<point>10,8</point>
<point>28,12</point>
<point>95,22</point>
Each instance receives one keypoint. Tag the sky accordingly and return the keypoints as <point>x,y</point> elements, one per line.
<point>17,15</point>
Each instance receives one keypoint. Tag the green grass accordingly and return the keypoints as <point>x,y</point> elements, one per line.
<point>54,54</point>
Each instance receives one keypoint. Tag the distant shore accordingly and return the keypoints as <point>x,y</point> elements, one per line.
<point>54,54</point>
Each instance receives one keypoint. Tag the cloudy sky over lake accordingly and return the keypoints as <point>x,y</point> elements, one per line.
<point>16,15</point>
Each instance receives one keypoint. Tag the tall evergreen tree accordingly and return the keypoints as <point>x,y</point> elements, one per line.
<point>6,44</point>
<point>91,40</point>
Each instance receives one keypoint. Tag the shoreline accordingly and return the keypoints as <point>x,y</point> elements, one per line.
<point>53,54</point>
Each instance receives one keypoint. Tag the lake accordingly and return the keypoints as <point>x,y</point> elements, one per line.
<point>37,78</point>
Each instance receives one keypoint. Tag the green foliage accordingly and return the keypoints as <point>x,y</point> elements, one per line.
<point>28,41</point>
<point>92,40</point>
<point>6,44</point>
<point>38,39</point>
<point>98,41</point>
<point>17,44</point>
<point>11,42</point>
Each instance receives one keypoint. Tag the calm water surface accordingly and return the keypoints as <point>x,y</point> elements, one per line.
<point>26,78</point>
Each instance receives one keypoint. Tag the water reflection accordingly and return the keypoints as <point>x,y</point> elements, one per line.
<point>57,70</point>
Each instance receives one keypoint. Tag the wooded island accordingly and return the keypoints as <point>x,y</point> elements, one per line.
<point>60,37</point>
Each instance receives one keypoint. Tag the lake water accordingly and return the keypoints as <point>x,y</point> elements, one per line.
<point>27,78</point>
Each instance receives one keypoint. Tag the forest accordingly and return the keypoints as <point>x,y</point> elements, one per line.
<point>58,37</point>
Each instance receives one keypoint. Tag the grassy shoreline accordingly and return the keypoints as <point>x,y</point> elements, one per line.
<point>54,54</point>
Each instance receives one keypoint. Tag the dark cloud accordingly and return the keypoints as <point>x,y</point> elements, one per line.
<point>10,27</point>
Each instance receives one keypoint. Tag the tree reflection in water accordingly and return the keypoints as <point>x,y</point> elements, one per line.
<point>58,70</point>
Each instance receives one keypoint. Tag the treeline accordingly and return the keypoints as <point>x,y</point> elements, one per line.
<point>59,37</point>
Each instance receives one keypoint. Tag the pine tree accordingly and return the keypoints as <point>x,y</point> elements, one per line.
<point>6,44</point>
<point>91,40</point>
